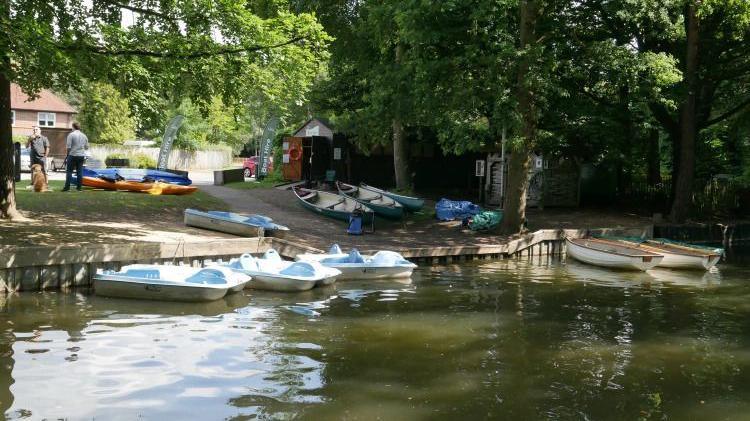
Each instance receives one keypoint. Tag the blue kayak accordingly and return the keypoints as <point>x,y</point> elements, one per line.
<point>137,174</point>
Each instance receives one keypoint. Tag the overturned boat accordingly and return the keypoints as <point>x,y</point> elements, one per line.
<point>381,265</point>
<point>168,283</point>
<point>234,223</point>
<point>272,273</point>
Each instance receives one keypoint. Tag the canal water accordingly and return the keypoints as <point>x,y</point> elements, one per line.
<point>515,339</point>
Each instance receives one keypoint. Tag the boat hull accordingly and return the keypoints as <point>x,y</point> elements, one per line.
<point>611,260</point>
<point>206,221</point>
<point>269,282</point>
<point>357,272</point>
<point>681,261</point>
<point>110,287</point>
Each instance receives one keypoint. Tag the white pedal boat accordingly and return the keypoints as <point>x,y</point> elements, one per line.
<point>169,283</point>
<point>381,265</point>
<point>272,273</point>
<point>610,255</point>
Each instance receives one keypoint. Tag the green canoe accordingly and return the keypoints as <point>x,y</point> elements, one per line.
<point>378,202</point>
<point>412,204</point>
<point>332,205</point>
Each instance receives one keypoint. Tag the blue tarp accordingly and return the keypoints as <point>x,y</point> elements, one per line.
<point>449,210</point>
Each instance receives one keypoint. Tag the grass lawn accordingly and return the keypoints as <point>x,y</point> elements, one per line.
<point>91,203</point>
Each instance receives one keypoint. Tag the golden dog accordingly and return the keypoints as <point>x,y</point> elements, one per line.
<point>39,179</point>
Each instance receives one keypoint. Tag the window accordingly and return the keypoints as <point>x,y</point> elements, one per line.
<point>47,119</point>
<point>12,117</point>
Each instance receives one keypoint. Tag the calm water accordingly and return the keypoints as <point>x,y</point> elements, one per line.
<point>509,339</point>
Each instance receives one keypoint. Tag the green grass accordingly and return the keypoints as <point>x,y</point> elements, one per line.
<point>109,204</point>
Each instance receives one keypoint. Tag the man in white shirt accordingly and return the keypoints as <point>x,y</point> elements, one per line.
<point>76,144</point>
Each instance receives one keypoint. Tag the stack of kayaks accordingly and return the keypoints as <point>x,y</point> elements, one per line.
<point>234,223</point>
<point>272,273</point>
<point>170,283</point>
<point>353,265</point>
<point>137,180</point>
<point>641,255</point>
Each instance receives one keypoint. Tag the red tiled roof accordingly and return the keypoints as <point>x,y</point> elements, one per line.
<point>47,101</point>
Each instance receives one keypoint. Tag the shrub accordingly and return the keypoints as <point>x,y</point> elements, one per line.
<point>116,156</point>
<point>140,160</point>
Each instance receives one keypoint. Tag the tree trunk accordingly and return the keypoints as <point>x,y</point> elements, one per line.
<point>683,185</point>
<point>654,158</point>
<point>514,215</point>
<point>400,149</point>
<point>7,182</point>
<point>400,156</point>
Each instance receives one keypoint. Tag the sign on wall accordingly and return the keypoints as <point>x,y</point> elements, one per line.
<point>266,147</point>
<point>170,134</point>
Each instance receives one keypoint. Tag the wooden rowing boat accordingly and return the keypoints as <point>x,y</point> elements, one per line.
<point>378,202</point>
<point>611,255</point>
<point>676,256</point>
<point>412,204</point>
<point>332,205</point>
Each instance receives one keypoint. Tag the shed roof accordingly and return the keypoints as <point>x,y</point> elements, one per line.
<point>323,121</point>
<point>47,101</point>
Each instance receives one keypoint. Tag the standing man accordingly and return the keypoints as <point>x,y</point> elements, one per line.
<point>39,148</point>
<point>76,144</point>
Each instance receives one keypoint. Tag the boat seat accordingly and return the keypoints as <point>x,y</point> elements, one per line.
<point>335,204</point>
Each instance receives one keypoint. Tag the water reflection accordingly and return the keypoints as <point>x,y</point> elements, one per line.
<point>508,339</point>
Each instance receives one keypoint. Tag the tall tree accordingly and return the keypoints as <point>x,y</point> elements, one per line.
<point>151,50</point>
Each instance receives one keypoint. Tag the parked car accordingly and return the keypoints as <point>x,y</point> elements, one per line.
<point>251,163</point>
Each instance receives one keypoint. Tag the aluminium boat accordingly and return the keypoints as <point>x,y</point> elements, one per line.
<point>234,223</point>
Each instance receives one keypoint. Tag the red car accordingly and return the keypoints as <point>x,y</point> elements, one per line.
<point>251,163</point>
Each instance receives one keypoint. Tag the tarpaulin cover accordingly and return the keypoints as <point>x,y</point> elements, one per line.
<point>485,220</point>
<point>449,210</point>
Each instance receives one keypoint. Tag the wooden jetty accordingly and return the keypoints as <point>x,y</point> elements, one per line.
<point>64,267</point>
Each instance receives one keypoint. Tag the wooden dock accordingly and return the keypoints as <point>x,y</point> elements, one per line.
<point>73,266</point>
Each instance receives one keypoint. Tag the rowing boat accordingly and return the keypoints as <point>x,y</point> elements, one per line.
<point>332,205</point>
<point>412,204</point>
<point>676,255</point>
<point>378,202</point>
<point>608,254</point>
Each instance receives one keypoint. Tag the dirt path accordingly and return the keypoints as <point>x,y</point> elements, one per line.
<point>317,231</point>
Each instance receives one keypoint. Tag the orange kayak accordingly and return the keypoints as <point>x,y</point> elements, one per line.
<point>151,188</point>
<point>167,188</point>
<point>99,183</point>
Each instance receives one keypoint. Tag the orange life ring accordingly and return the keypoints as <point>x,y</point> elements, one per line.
<point>295,153</point>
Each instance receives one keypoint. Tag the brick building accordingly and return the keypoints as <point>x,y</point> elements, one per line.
<point>48,111</point>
